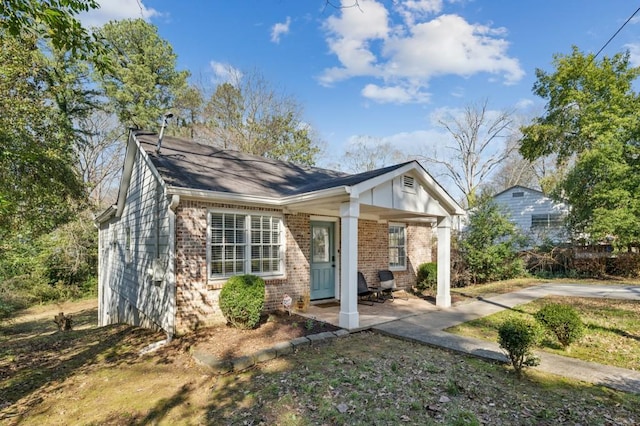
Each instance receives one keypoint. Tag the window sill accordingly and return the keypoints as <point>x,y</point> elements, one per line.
<point>397,268</point>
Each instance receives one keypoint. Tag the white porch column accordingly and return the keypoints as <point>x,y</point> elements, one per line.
<point>443,296</point>
<point>349,213</point>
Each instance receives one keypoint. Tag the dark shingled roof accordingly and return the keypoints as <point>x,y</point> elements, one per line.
<point>187,164</point>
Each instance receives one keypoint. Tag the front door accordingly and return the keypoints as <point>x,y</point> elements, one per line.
<point>323,265</point>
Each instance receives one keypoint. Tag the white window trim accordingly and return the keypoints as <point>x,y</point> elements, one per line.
<point>248,213</point>
<point>404,227</point>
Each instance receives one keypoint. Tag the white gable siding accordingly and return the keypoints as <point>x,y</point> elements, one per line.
<point>522,204</point>
<point>129,293</point>
<point>397,194</point>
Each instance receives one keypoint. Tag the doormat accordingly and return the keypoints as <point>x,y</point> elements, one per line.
<point>328,305</point>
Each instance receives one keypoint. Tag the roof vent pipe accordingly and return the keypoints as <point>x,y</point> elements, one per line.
<point>165,122</point>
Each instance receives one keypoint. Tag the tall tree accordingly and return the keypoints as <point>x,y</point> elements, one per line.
<point>479,145</point>
<point>224,115</point>
<point>53,20</point>
<point>143,82</point>
<point>248,114</point>
<point>591,125</point>
<point>368,153</point>
<point>39,186</point>
<point>100,155</point>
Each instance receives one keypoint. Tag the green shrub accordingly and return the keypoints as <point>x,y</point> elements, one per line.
<point>490,244</point>
<point>241,300</point>
<point>518,337</point>
<point>563,321</point>
<point>427,278</point>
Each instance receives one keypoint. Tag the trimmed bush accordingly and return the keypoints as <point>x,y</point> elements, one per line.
<point>427,277</point>
<point>242,300</point>
<point>518,338</point>
<point>563,321</point>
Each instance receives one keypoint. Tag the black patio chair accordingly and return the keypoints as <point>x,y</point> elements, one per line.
<point>364,291</point>
<point>388,283</point>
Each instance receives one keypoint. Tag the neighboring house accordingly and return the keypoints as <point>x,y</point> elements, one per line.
<point>188,216</point>
<point>537,215</point>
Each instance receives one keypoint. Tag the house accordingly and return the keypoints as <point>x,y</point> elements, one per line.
<point>188,216</point>
<point>535,214</point>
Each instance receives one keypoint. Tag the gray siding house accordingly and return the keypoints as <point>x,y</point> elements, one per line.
<point>189,216</point>
<point>535,214</point>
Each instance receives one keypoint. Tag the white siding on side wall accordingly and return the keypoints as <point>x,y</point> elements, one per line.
<point>134,242</point>
<point>523,205</point>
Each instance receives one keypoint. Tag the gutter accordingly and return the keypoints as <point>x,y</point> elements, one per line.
<point>171,263</point>
<point>105,215</point>
<point>257,199</point>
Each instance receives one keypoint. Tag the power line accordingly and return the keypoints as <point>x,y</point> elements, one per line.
<point>616,33</point>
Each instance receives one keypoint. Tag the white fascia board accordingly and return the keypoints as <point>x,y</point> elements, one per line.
<point>368,184</point>
<point>254,199</point>
<point>127,170</point>
<point>133,148</point>
<point>450,205</point>
<point>105,215</point>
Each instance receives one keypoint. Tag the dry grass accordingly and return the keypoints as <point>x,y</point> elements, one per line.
<point>95,376</point>
<point>612,332</point>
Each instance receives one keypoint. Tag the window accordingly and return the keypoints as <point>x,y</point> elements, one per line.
<point>242,243</point>
<point>544,221</point>
<point>517,194</point>
<point>397,246</point>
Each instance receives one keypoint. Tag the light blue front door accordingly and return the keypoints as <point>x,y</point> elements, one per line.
<point>323,265</point>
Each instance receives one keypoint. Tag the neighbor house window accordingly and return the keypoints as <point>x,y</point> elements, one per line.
<point>397,246</point>
<point>544,221</point>
<point>242,243</point>
<point>517,194</point>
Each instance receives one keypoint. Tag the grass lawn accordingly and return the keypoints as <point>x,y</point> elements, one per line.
<point>97,376</point>
<point>612,333</point>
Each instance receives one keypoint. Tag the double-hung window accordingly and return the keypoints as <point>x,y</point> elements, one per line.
<point>397,247</point>
<point>242,243</point>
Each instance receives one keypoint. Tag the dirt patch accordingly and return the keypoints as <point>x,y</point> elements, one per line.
<point>227,342</point>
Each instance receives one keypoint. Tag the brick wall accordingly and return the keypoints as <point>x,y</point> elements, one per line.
<point>373,251</point>
<point>296,284</point>
<point>419,242</point>
<point>197,296</point>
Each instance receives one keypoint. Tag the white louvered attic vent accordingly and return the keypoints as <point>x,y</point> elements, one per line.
<point>408,183</point>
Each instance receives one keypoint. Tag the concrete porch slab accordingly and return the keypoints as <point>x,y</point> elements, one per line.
<point>378,313</point>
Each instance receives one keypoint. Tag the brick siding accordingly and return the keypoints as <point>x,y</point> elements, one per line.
<point>197,296</point>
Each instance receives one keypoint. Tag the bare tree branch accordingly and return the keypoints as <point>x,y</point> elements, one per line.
<point>478,146</point>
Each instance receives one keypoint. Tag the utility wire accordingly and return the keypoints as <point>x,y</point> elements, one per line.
<point>616,33</point>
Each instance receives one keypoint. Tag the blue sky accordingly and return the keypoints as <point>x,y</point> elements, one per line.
<point>390,68</point>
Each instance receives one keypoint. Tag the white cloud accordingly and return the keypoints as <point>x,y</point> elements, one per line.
<point>524,104</point>
<point>280,29</point>
<point>411,10</point>
<point>634,53</point>
<point>224,73</point>
<point>395,94</point>
<point>407,55</point>
<point>116,10</point>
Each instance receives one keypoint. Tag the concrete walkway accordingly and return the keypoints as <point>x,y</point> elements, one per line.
<point>428,328</point>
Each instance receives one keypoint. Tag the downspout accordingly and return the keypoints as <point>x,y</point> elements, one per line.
<point>171,274</point>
